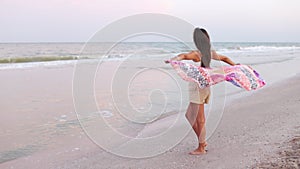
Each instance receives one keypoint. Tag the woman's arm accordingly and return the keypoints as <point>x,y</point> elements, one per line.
<point>223,58</point>
<point>186,56</point>
<point>179,57</point>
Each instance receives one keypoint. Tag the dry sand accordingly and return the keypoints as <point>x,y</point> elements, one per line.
<point>39,129</point>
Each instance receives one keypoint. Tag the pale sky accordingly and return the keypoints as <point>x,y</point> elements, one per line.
<point>78,20</point>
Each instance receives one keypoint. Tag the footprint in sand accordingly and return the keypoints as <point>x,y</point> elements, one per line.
<point>63,118</point>
<point>106,113</point>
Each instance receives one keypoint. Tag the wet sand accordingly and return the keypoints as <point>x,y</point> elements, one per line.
<point>39,128</point>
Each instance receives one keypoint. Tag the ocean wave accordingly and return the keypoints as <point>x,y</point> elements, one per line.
<point>26,65</point>
<point>258,48</point>
<point>270,48</point>
<point>37,59</point>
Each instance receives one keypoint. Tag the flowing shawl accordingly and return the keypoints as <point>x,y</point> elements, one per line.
<point>242,76</point>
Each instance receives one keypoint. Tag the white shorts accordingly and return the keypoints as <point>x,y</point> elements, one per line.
<point>197,95</point>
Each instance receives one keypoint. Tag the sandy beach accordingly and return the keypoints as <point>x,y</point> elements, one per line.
<point>39,128</point>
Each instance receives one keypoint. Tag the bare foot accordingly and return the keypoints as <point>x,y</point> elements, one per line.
<point>198,151</point>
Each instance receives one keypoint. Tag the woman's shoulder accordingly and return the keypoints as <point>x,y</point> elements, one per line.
<point>197,55</point>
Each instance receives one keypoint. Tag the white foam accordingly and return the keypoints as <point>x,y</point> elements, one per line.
<point>34,64</point>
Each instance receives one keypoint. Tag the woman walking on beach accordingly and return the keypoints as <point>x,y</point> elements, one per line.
<point>198,97</point>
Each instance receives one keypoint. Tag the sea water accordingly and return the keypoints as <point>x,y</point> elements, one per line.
<point>245,52</point>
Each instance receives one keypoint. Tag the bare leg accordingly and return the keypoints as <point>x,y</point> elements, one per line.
<point>191,114</point>
<point>198,125</point>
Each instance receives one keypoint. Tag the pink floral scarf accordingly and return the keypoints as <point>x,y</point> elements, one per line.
<point>240,75</point>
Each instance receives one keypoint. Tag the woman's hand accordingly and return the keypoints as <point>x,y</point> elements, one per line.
<point>176,58</point>
<point>167,61</point>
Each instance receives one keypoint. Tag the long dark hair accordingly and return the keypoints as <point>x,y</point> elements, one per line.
<point>202,42</point>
